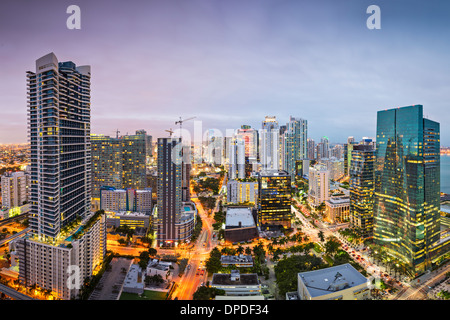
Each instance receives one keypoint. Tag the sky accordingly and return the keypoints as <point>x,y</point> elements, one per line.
<point>233,62</point>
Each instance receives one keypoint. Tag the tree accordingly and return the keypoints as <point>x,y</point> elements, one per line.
<point>248,251</point>
<point>213,264</point>
<point>207,293</point>
<point>152,252</point>
<point>240,249</point>
<point>332,245</point>
<point>321,236</point>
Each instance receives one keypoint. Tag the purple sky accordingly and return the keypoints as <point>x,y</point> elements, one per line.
<point>231,62</point>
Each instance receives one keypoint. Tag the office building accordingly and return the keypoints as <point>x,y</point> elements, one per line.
<point>274,199</point>
<point>311,145</point>
<point>362,189</point>
<point>337,208</point>
<point>342,282</point>
<point>407,185</point>
<point>236,284</point>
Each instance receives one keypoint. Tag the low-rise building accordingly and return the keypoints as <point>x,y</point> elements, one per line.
<point>240,224</point>
<point>236,284</point>
<point>162,268</point>
<point>245,261</point>
<point>337,208</point>
<point>134,282</point>
<point>127,218</point>
<point>342,282</point>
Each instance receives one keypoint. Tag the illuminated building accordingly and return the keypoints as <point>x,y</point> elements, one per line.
<point>119,162</point>
<point>407,185</point>
<point>65,234</point>
<point>311,149</point>
<point>112,199</point>
<point>236,166</point>
<point>295,144</point>
<point>14,189</point>
<point>242,191</point>
<point>362,189</point>
<point>274,199</point>
<point>174,220</point>
<point>337,208</point>
<point>319,185</point>
<point>269,144</point>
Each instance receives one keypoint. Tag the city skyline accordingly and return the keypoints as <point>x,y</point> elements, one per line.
<point>232,64</point>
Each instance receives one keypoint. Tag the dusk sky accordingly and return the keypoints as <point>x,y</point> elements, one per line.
<point>232,62</point>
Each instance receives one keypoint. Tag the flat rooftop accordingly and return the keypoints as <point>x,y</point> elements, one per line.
<point>236,259</point>
<point>325,281</point>
<point>244,216</point>
<point>225,279</point>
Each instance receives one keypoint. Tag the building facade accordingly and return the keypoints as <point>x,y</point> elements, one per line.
<point>14,189</point>
<point>274,199</point>
<point>319,185</point>
<point>407,185</point>
<point>362,189</point>
<point>242,192</point>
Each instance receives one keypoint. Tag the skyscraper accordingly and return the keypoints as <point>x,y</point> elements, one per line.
<point>295,140</point>
<point>274,199</point>
<point>362,189</point>
<point>14,189</point>
<point>65,234</point>
<point>236,166</point>
<point>319,185</point>
<point>269,144</point>
<point>407,185</point>
<point>119,162</point>
<point>172,223</point>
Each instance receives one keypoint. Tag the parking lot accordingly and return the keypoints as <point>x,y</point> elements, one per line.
<point>110,285</point>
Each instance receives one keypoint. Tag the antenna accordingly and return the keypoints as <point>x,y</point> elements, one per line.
<point>117,133</point>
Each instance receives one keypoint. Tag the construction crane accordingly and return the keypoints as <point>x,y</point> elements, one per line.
<point>117,133</point>
<point>170,131</point>
<point>180,122</point>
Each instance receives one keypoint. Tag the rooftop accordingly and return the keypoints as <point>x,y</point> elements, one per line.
<point>226,279</point>
<point>239,217</point>
<point>325,281</point>
<point>236,259</point>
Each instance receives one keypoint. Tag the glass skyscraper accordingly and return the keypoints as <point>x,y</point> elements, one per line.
<point>362,188</point>
<point>407,185</point>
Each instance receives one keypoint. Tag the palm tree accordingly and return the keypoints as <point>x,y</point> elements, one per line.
<point>240,249</point>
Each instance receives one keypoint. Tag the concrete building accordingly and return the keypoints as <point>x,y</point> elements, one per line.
<point>337,209</point>
<point>60,173</point>
<point>155,267</point>
<point>242,261</point>
<point>342,282</point>
<point>127,218</point>
<point>269,144</point>
<point>114,200</point>
<point>319,185</point>
<point>236,284</point>
<point>242,191</point>
<point>236,165</point>
<point>14,189</point>
<point>240,224</point>
<point>134,280</point>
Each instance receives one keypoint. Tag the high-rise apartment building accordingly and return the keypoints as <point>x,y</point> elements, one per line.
<point>14,189</point>
<point>65,234</point>
<point>295,144</point>
<point>236,165</point>
<point>311,147</point>
<point>274,199</point>
<point>269,144</point>
<point>172,221</point>
<point>119,162</point>
<point>362,189</point>
<point>407,185</point>
<point>319,185</point>
<point>118,200</point>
